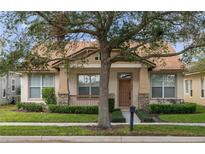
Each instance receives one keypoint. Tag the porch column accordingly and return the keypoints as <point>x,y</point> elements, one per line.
<point>144,88</point>
<point>63,93</point>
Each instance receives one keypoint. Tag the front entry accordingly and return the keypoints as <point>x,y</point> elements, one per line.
<point>125,90</point>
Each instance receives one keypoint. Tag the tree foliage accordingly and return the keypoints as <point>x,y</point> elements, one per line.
<point>145,32</point>
<point>25,30</point>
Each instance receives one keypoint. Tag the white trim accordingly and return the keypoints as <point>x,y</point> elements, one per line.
<point>41,85</point>
<point>190,88</point>
<point>90,84</point>
<point>185,92</point>
<point>163,76</point>
<point>201,87</point>
<point>112,66</point>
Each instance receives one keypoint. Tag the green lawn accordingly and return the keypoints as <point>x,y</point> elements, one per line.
<point>88,131</point>
<point>198,117</point>
<point>8,114</point>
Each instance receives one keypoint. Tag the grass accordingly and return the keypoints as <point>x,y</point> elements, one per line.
<point>198,117</point>
<point>94,131</point>
<point>8,114</point>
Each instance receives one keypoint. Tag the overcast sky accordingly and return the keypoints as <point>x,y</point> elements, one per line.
<point>178,46</point>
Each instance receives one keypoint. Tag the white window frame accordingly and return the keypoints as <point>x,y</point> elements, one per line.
<point>13,79</point>
<point>90,86</point>
<point>3,87</point>
<point>163,86</point>
<point>202,87</point>
<point>97,56</point>
<point>41,85</point>
<point>188,86</point>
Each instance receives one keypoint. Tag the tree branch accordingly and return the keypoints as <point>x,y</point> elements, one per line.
<point>136,57</point>
<point>78,30</point>
<point>120,57</point>
<point>173,54</point>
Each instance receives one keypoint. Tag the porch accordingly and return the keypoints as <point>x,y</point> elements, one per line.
<point>128,86</point>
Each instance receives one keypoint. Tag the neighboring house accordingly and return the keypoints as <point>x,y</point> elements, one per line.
<point>194,86</point>
<point>131,83</point>
<point>9,87</point>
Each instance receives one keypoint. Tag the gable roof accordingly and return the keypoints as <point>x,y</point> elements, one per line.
<point>195,67</point>
<point>74,49</point>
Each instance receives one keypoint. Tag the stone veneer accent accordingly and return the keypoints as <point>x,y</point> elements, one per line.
<point>143,100</point>
<point>63,98</point>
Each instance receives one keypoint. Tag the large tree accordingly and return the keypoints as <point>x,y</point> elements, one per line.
<point>112,30</point>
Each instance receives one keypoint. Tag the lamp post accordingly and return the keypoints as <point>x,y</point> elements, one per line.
<point>132,111</point>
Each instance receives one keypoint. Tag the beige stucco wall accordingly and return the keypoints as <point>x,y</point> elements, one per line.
<point>144,81</point>
<point>25,88</point>
<point>196,87</point>
<point>180,86</point>
<point>113,85</point>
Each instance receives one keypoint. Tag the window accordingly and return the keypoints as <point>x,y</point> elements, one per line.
<point>37,82</point>
<point>163,85</point>
<point>97,56</point>
<point>191,91</point>
<point>202,87</point>
<point>125,76</point>
<point>13,85</point>
<point>186,86</point>
<point>88,85</point>
<point>4,87</point>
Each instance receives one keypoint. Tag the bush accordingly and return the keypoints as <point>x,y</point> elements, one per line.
<point>117,116</point>
<point>73,109</point>
<point>172,108</point>
<point>30,107</point>
<point>144,116</point>
<point>49,95</point>
<point>111,102</point>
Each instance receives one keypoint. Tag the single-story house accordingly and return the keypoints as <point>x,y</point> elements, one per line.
<point>131,83</point>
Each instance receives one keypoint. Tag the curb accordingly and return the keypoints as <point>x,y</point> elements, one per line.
<point>101,139</point>
<point>92,124</point>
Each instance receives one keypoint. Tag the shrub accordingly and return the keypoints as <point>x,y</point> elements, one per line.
<point>30,107</point>
<point>49,95</point>
<point>111,102</point>
<point>172,108</point>
<point>117,116</point>
<point>144,116</point>
<point>73,109</point>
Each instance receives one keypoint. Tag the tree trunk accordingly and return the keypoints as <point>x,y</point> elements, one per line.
<point>103,115</point>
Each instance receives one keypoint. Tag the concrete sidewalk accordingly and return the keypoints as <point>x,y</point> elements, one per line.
<point>101,139</point>
<point>92,124</point>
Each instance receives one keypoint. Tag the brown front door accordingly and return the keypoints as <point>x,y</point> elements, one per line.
<point>125,92</point>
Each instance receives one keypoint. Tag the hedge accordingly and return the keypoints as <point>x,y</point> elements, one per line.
<point>30,107</point>
<point>117,116</point>
<point>144,116</point>
<point>49,95</point>
<point>73,109</point>
<point>172,108</point>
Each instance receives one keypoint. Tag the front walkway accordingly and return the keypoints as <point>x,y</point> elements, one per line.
<point>101,139</point>
<point>93,124</point>
<point>126,114</point>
